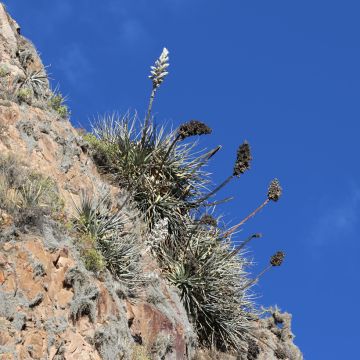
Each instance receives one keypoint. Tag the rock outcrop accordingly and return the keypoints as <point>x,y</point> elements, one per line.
<point>51,307</point>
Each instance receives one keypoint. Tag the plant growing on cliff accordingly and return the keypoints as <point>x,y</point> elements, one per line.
<point>33,85</point>
<point>211,279</point>
<point>22,189</point>
<point>57,103</point>
<point>103,241</point>
<point>165,176</point>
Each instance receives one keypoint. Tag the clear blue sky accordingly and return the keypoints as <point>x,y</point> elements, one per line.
<point>285,75</point>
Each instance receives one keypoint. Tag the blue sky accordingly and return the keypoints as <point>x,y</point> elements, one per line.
<point>284,75</point>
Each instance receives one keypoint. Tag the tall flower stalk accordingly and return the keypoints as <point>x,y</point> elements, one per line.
<point>157,75</point>
<point>242,163</point>
<point>274,194</point>
<point>276,260</point>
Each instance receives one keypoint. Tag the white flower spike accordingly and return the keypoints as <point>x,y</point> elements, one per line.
<point>158,71</point>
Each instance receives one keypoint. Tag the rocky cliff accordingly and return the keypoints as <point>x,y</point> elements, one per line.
<point>51,305</point>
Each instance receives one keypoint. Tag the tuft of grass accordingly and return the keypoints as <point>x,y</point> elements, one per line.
<point>26,194</point>
<point>162,346</point>
<point>122,256</point>
<point>37,81</point>
<point>38,191</point>
<point>85,294</point>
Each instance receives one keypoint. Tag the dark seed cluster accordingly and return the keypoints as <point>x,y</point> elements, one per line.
<point>275,190</point>
<point>193,128</point>
<point>277,259</point>
<point>243,159</point>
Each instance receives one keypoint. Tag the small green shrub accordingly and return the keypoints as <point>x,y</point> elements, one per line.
<point>93,260</point>
<point>4,71</point>
<point>25,95</point>
<point>57,103</point>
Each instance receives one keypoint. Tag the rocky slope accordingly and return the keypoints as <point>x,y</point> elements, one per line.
<point>51,307</point>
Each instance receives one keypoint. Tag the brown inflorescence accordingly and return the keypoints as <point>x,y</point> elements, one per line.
<point>192,128</point>
<point>243,159</point>
<point>275,190</point>
<point>277,259</point>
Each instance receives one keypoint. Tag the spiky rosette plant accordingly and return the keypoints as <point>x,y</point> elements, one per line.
<point>104,243</point>
<point>211,278</point>
<point>36,83</point>
<point>122,254</point>
<point>95,217</point>
<point>165,176</point>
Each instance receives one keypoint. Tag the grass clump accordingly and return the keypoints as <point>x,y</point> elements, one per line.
<point>95,217</point>
<point>26,194</point>
<point>38,191</point>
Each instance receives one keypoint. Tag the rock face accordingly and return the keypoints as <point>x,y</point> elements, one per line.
<point>51,307</point>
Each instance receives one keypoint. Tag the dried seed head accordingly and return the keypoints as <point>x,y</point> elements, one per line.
<point>193,128</point>
<point>277,258</point>
<point>243,159</point>
<point>208,220</point>
<point>158,71</point>
<point>275,190</point>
